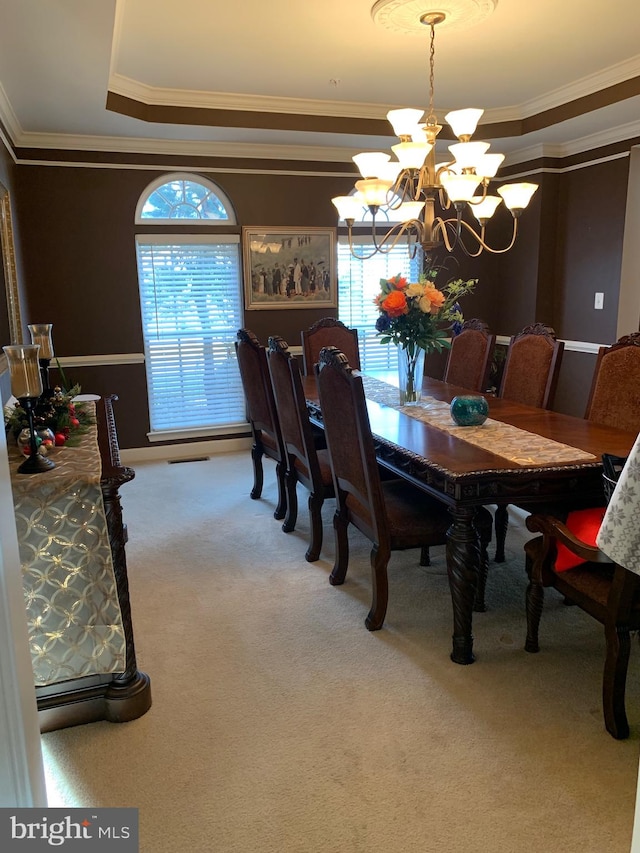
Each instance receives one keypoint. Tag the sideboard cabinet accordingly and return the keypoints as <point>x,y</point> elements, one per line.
<point>72,539</point>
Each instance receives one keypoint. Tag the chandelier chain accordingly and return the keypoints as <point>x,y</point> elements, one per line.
<point>432,53</point>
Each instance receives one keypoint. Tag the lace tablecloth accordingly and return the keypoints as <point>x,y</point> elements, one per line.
<point>74,619</point>
<point>517,445</point>
<point>619,535</point>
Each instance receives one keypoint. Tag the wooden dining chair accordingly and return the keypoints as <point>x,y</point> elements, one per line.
<point>391,513</point>
<point>614,398</point>
<point>305,463</point>
<point>262,415</point>
<point>329,332</point>
<point>530,377</point>
<point>532,367</point>
<point>469,360</point>
<point>600,587</point>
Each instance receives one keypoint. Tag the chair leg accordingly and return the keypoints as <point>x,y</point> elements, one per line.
<point>281,473</point>
<point>339,572</point>
<point>534,604</point>
<point>315,523</point>
<point>291,482</point>
<point>425,558</point>
<point>258,475</point>
<point>483,523</point>
<point>380,582</point>
<point>615,679</point>
<point>501,524</point>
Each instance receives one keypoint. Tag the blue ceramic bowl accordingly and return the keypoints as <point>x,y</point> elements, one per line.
<point>470,410</point>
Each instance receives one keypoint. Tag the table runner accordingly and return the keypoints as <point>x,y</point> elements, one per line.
<point>517,445</point>
<point>73,614</point>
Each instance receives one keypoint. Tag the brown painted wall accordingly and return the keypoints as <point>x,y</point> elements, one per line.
<point>80,264</point>
<point>79,268</point>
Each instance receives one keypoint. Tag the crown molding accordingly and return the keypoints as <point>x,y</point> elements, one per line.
<point>153,96</point>
<point>184,147</point>
<point>612,76</point>
<point>8,117</point>
<point>197,99</point>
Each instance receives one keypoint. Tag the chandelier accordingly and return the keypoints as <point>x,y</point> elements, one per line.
<point>407,187</point>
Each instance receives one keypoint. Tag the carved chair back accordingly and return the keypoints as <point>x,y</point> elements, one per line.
<point>307,458</point>
<point>614,399</point>
<point>391,513</point>
<point>325,333</point>
<point>532,366</point>
<point>350,443</point>
<point>261,414</point>
<point>470,356</point>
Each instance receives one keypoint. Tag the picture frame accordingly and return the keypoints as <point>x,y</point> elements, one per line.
<point>289,267</point>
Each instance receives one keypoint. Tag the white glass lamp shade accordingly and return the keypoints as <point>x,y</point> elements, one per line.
<point>390,171</point>
<point>411,155</point>
<point>468,154</point>
<point>408,210</point>
<point>370,162</point>
<point>463,122</point>
<point>460,187</point>
<point>517,196</point>
<point>485,209</point>
<point>41,335</point>
<point>373,191</point>
<point>488,165</point>
<point>348,206</point>
<point>404,121</point>
<point>24,369</point>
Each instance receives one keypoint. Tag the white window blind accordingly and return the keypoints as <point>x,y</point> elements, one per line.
<point>358,285</point>
<point>191,299</point>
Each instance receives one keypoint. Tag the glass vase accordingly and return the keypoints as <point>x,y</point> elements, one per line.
<point>410,374</point>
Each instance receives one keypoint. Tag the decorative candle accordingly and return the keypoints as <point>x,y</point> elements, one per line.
<point>41,334</point>
<point>26,380</point>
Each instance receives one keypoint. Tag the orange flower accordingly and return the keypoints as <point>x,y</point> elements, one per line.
<point>436,297</point>
<point>395,304</point>
<point>398,282</point>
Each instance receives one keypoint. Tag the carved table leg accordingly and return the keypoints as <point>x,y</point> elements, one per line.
<point>463,561</point>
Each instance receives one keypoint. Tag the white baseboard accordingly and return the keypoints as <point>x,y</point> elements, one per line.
<point>195,449</point>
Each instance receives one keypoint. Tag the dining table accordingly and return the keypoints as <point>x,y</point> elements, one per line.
<point>530,457</point>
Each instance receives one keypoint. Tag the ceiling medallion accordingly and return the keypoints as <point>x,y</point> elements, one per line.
<point>404,16</point>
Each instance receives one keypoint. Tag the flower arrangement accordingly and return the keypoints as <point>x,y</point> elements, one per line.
<point>58,413</point>
<point>418,316</point>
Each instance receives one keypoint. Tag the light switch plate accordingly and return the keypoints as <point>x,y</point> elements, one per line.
<point>599,301</point>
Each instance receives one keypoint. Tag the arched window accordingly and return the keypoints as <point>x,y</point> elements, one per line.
<point>183,198</point>
<point>191,305</point>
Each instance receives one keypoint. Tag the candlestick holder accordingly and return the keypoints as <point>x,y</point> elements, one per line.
<point>26,385</point>
<point>41,336</point>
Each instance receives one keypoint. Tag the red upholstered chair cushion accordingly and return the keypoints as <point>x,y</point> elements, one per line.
<point>584,524</point>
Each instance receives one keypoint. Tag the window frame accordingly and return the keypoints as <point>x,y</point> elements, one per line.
<point>193,178</point>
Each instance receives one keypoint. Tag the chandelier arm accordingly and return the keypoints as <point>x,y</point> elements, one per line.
<point>458,225</point>
<point>397,230</point>
<point>353,252</point>
<point>443,198</point>
<point>476,199</point>
<point>440,225</point>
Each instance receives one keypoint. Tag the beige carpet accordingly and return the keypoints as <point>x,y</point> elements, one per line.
<point>279,723</point>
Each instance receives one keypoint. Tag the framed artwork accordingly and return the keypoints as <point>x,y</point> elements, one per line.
<point>10,315</point>
<point>289,267</point>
